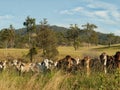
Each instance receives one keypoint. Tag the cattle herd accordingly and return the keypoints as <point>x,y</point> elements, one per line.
<point>103,63</point>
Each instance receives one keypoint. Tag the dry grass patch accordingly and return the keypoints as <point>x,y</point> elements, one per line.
<point>12,52</point>
<point>55,81</point>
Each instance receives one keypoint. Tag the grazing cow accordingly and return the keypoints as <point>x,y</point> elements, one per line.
<point>68,64</point>
<point>48,63</point>
<point>1,66</point>
<point>17,64</point>
<point>29,67</point>
<point>111,64</point>
<point>92,63</point>
<point>85,62</point>
<point>77,60</point>
<point>45,65</point>
<point>108,62</point>
<point>5,64</point>
<point>117,59</point>
<point>42,67</point>
<point>62,63</point>
<point>103,59</point>
<point>88,64</point>
<point>23,67</point>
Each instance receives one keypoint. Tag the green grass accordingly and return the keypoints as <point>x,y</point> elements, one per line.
<point>93,51</point>
<point>59,80</point>
<point>109,50</point>
<point>63,51</point>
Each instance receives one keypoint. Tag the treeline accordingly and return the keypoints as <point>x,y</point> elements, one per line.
<point>19,38</point>
<point>48,37</point>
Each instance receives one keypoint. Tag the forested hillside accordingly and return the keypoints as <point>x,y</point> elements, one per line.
<point>61,33</point>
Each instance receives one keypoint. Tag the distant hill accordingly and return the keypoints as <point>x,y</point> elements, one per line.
<point>58,28</point>
<point>101,36</point>
<point>53,27</point>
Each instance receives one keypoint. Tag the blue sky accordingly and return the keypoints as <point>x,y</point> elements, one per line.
<point>103,13</point>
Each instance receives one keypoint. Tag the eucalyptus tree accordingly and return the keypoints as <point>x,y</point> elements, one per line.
<point>12,36</point>
<point>31,27</point>
<point>89,28</point>
<point>73,35</point>
<point>94,38</point>
<point>6,38</point>
<point>47,40</point>
<point>110,38</point>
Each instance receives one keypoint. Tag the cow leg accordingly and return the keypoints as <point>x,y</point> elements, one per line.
<point>105,69</point>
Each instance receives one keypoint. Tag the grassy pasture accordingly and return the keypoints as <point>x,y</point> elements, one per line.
<point>92,51</point>
<point>12,52</point>
<point>59,80</point>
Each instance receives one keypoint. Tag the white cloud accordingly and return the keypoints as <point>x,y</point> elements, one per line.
<point>102,5</point>
<point>102,14</point>
<point>110,10</point>
<point>116,15</point>
<point>97,10</point>
<point>66,12</point>
<point>78,9</point>
<point>6,17</point>
<point>72,11</point>
<point>117,32</point>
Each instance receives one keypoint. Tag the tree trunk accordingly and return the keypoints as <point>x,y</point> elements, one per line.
<point>109,44</point>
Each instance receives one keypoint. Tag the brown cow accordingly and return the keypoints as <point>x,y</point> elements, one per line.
<point>68,63</point>
<point>107,62</point>
<point>117,59</point>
